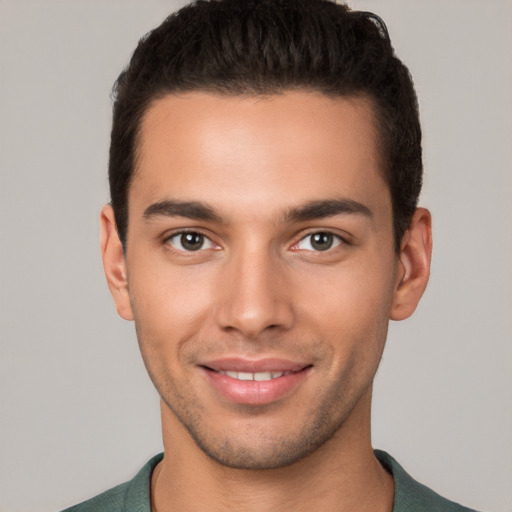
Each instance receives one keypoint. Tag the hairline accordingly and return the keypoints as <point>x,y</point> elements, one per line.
<point>361,96</point>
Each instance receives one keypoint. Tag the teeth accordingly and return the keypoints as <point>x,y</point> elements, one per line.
<point>262,376</point>
<point>259,376</point>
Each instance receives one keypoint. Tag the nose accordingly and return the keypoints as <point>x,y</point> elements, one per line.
<point>254,295</point>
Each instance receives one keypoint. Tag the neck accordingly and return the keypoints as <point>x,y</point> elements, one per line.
<point>341,475</point>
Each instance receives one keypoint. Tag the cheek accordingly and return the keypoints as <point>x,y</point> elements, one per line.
<point>168,305</point>
<point>350,306</point>
<point>349,293</point>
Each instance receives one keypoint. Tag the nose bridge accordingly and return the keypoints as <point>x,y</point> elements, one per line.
<point>254,296</point>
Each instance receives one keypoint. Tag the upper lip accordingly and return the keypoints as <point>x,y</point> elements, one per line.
<point>237,364</point>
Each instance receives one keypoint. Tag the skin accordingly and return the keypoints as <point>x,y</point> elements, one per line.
<point>258,287</point>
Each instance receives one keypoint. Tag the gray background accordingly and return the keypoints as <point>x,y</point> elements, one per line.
<point>78,413</point>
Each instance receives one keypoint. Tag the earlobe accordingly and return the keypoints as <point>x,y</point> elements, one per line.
<point>114,263</point>
<point>414,265</point>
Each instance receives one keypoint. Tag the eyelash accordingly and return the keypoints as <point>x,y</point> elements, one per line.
<point>178,235</point>
<point>336,241</point>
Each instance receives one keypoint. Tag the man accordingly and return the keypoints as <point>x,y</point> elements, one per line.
<point>265,168</point>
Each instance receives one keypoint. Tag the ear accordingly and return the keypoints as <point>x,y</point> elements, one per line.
<point>114,263</point>
<point>414,265</point>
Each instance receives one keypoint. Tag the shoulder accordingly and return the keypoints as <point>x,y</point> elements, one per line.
<point>133,495</point>
<point>410,495</point>
<point>111,500</point>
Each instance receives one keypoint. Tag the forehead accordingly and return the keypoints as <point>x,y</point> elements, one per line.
<point>277,148</point>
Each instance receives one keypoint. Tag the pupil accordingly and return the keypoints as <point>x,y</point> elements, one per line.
<point>321,241</point>
<point>192,241</point>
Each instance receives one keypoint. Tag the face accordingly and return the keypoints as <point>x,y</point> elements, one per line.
<point>259,269</point>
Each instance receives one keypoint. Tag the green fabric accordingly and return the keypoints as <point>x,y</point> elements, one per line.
<point>411,496</point>
<point>134,496</point>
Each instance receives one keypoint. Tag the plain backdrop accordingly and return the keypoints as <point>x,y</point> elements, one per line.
<point>78,413</point>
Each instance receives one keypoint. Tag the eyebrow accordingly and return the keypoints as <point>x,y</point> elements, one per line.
<point>309,211</point>
<point>190,209</point>
<point>327,208</point>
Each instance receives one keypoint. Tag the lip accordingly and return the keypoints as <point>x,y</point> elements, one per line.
<point>250,392</point>
<point>236,364</point>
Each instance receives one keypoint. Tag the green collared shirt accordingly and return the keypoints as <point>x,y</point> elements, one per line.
<point>134,496</point>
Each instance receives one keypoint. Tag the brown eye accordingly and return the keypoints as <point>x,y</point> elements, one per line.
<point>190,241</point>
<point>319,241</point>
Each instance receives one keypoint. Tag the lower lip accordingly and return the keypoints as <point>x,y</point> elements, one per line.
<point>252,392</point>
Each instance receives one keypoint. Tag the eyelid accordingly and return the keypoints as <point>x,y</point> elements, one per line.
<point>342,240</point>
<point>181,231</point>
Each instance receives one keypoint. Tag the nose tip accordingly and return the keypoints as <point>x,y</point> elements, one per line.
<point>255,299</point>
<point>251,323</point>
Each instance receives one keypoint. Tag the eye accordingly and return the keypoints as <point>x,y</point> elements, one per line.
<point>190,241</point>
<point>319,241</point>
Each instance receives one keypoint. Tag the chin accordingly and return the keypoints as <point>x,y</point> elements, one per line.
<point>264,447</point>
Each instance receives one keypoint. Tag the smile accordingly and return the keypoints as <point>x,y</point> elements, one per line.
<point>255,382</point>
<point>258,376</point>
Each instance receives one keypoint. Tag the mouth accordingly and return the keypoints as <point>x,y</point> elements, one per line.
<point>255,382</point>
<point>258,376</point>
